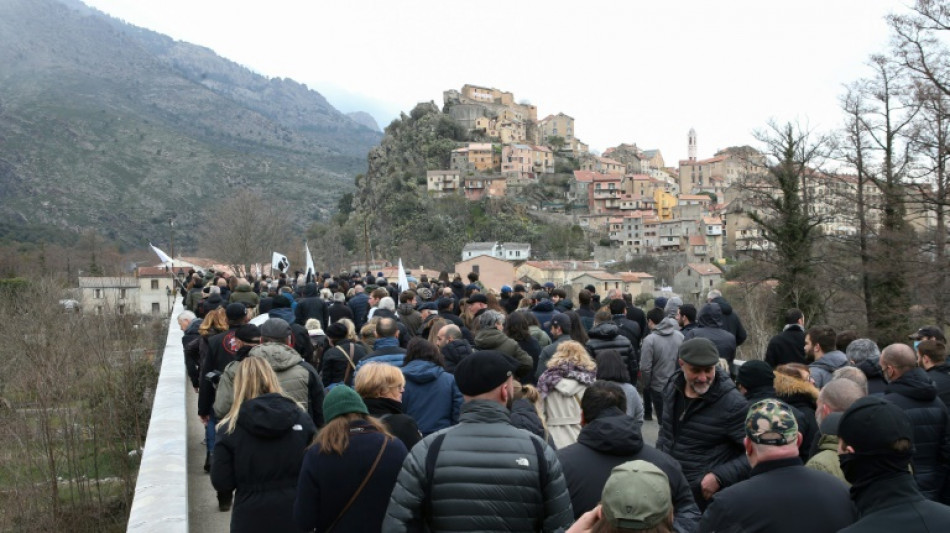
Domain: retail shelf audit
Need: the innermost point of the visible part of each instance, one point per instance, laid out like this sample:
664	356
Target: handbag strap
359	489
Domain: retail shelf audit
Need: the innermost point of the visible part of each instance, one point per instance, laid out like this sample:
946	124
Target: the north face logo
522	461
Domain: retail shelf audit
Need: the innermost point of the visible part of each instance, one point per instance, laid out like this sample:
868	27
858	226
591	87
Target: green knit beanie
342	400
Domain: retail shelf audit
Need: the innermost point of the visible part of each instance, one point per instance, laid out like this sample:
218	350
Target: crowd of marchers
342	403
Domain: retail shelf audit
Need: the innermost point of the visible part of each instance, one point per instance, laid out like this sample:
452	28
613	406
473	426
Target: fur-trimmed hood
787	386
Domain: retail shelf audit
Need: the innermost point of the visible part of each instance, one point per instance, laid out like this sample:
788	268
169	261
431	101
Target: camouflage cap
771	422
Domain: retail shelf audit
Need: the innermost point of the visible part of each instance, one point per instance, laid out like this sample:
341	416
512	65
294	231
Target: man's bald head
899	358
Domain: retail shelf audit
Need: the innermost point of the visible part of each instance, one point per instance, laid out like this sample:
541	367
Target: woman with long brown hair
350	470
259	449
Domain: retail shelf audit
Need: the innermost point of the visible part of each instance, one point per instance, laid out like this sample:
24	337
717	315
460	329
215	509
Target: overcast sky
627	71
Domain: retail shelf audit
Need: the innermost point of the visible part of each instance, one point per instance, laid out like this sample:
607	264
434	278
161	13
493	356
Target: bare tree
776	201
244	229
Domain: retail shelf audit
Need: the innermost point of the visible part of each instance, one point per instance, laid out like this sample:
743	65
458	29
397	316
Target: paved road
203	513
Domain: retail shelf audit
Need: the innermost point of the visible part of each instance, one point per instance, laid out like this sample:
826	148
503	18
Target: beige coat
562	411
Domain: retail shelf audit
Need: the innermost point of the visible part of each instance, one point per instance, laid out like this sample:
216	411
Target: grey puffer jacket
706	434
659	355
486	478
298	378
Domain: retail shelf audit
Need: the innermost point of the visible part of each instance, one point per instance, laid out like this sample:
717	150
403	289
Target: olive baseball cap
636	496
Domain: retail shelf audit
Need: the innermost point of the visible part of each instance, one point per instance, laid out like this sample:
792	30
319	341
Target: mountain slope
107	126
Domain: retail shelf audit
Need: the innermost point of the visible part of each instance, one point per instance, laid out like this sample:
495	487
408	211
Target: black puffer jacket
706	434
453	353
544	311
607	336
613	438
486	478
731	321
710	327
525	416
261	460
916	394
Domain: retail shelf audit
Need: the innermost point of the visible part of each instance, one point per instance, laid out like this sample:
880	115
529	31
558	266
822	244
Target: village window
121	309
122	294
97	293
156	308
154	284
98	309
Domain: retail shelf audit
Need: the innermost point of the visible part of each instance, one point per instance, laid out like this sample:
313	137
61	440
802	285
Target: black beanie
755	374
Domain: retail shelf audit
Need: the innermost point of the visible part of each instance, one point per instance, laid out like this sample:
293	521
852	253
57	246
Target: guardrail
161	491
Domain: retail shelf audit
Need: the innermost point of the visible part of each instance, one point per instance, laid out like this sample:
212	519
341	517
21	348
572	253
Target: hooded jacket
612	439
261	460
454	352
245	295
705	434
525	416
659	354
481	487
607	336
710	327
822	369
731	321
431	397
872	371
495	339
803	396
311	306
189	341
562	411
916	394
544	311
297	378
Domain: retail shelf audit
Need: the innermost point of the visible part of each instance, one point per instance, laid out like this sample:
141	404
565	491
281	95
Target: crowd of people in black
342	403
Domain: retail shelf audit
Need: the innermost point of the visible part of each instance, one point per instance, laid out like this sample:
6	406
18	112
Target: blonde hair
312	324
254	377
335	436
574	353
215	321
368	335
435	326
350	329
533	395
374	379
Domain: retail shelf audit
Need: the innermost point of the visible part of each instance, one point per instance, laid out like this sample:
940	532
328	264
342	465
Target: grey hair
489	318
861	350
387	303
715	293
187	315
852	374
839	394
214	289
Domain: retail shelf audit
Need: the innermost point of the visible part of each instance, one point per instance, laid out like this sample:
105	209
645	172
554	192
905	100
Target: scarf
552	376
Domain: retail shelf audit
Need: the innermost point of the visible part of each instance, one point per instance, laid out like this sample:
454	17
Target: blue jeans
210	431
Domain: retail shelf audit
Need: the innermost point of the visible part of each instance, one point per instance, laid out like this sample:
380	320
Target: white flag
279	262
161	255
259	276
310	269
403	280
